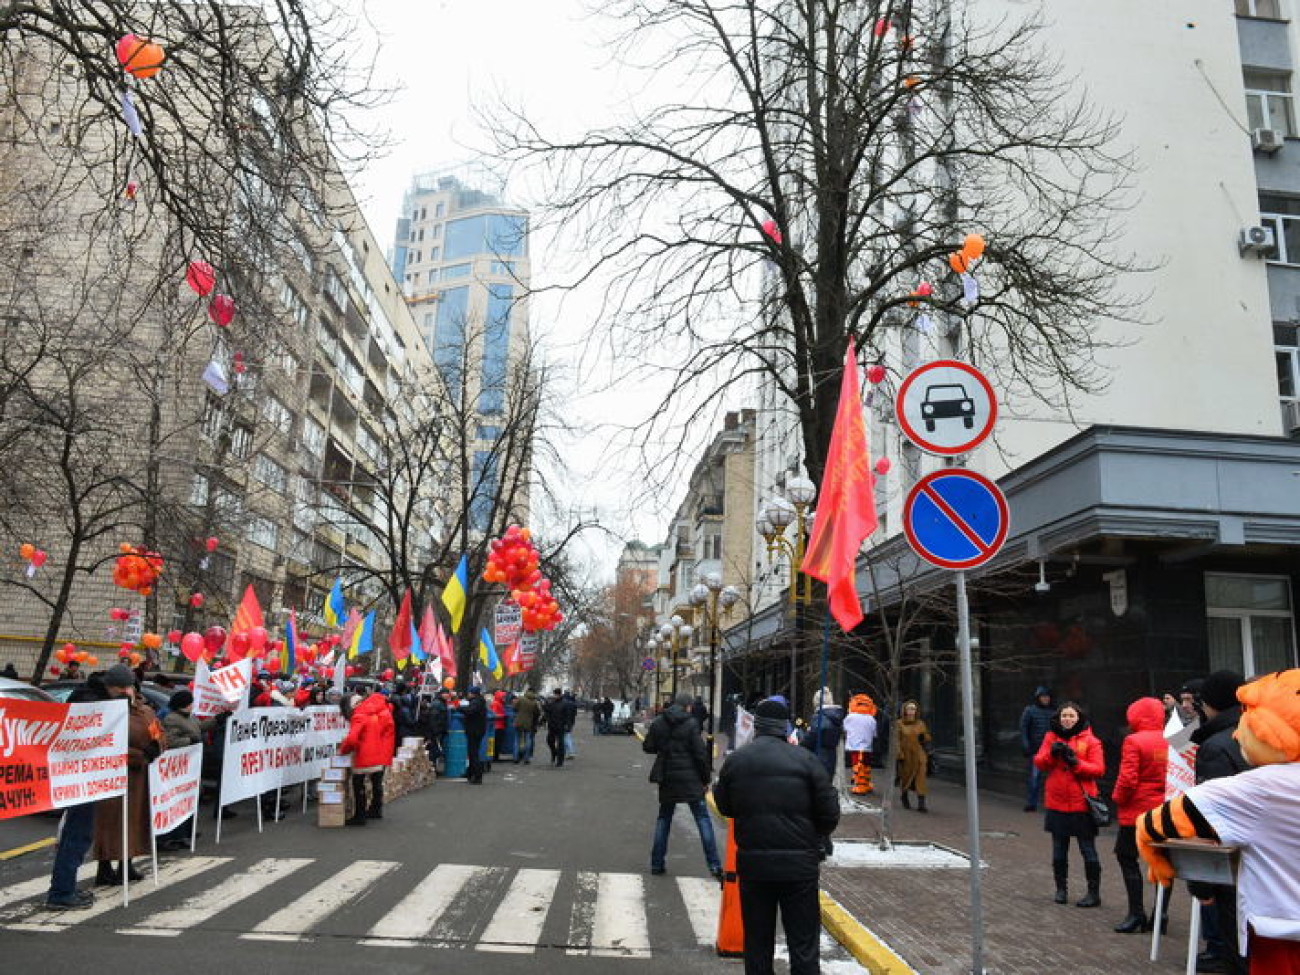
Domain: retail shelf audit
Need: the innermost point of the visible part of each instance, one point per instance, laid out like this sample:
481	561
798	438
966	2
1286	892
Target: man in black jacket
555	713
681	770
783	805
474	713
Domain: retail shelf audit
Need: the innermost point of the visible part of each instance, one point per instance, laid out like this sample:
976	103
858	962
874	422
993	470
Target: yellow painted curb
18	851
869	950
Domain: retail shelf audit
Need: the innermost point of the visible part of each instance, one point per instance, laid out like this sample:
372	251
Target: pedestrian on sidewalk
1139	786
825	731
784	808
915	747
681	769
370	740
554	712
528	714
474	714
1072	757
1035	721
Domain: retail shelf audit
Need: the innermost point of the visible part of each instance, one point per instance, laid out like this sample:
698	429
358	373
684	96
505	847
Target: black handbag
1097	807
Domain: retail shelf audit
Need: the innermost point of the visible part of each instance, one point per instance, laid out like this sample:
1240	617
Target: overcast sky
448	58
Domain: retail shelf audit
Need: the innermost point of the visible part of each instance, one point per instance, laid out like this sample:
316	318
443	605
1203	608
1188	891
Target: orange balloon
151	641
27	550
959	262
973	247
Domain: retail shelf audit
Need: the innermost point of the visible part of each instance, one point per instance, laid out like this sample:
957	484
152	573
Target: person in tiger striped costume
1258	811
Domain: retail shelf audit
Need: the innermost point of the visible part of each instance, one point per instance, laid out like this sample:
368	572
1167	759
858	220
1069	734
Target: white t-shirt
1259	811
859	732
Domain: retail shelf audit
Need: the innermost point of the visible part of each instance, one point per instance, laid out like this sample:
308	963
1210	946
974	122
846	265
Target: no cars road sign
956	519
946	407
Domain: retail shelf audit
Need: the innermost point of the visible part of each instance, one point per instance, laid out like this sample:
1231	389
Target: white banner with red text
221	690
269	748
174	787
57	755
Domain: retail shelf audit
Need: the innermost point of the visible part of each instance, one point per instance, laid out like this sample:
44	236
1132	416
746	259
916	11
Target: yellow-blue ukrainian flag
487	654
363	638
335	609
455	594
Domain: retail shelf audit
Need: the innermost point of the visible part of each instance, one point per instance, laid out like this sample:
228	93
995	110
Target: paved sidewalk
924	915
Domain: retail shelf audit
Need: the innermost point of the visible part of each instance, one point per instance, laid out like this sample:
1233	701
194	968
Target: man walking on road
555	712
474	713
784	805
681	770
528	713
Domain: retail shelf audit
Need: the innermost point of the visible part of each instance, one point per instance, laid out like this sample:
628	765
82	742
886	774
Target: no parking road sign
648	664
946	407
956	519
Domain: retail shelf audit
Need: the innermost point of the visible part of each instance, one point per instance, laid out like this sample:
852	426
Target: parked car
23	691
156	697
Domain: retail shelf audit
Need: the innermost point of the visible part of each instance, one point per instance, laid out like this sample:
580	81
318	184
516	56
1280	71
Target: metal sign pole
972	788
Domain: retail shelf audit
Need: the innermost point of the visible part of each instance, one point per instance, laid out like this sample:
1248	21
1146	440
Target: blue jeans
524	742
1033	785
569	750
665	823
75	837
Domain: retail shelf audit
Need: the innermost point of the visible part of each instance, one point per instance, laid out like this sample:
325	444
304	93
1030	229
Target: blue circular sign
648	664
956	519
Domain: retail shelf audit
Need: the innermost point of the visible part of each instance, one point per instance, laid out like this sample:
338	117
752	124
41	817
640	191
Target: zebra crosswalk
396	905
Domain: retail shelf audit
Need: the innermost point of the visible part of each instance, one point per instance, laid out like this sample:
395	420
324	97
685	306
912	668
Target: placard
174	779
221	690
57	755
269	748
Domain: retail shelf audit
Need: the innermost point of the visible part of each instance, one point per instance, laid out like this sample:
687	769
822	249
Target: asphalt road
537	870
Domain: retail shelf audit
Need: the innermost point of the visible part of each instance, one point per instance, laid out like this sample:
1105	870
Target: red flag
446	653
248	615
399	640
846	508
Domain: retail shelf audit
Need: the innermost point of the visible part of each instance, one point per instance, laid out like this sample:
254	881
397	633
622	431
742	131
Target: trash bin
456	761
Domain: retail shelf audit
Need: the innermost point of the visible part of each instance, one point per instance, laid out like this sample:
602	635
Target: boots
107	876
1133	924
376	810
1136	920
907	803
1092	870
920	803
1061	871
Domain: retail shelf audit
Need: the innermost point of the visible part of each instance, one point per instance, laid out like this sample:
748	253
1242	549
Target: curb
872	953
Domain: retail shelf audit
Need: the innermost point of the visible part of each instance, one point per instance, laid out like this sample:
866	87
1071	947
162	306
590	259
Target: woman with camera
1072	757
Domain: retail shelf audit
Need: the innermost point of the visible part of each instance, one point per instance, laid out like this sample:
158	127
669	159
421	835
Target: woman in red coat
371	738
1072	757
1140	786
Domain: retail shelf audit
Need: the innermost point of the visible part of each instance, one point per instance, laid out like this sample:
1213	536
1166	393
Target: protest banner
269	748
221	690
174	787
744	728
57	755
1180	773
527	651
509	623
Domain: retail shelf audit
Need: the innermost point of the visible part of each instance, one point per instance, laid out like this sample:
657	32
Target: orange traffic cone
731	928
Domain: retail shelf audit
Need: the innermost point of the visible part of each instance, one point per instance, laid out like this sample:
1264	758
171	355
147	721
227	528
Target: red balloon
239	644
214	638
349	671
875	374
201	277
196	600
192	646
222	310
883	465
173	636
212	543
39	557
387	674
257	638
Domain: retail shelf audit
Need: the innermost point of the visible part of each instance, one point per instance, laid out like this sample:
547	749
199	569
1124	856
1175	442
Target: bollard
731	928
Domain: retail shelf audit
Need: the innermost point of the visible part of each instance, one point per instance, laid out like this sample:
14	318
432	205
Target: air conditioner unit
1291	416
1258	241
1266	140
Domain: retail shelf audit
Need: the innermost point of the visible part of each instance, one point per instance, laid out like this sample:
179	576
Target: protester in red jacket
370	739
1072	757
1140	786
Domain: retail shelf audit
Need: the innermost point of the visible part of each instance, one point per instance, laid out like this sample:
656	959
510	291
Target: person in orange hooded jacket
1072	757
1140	785
371	737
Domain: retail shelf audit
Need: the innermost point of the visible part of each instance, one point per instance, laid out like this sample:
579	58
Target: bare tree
826	158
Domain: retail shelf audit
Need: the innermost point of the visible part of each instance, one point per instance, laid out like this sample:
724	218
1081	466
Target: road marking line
38	886
18	851
414	917
109	898
620	928
583	913
290	922
175	921
703	899
517	923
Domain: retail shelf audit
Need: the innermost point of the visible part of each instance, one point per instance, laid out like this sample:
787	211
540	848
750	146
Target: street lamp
775	517
652	648
674	634
708	596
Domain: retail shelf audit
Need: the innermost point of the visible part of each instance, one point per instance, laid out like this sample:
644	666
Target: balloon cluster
137	569
963	259
67	653
514	561
35	557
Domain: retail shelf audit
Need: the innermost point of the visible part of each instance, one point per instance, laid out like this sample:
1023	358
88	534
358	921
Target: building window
435	253
1286	352
1282	214
438	210
263	532
278	415
1268	9
214	417
270	473
496	345
199	491
313	437
1269	102
1249	621
241	441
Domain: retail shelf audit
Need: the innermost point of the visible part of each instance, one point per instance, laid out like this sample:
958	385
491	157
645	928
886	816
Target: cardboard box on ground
411	770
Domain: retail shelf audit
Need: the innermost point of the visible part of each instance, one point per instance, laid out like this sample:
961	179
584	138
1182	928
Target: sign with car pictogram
946	407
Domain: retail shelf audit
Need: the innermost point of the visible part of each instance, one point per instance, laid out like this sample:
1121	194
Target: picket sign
174	782
58	755
221	690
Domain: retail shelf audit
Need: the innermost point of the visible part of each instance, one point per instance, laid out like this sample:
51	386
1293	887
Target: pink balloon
883	465
875	374
192	646
201	277
257	638
222	310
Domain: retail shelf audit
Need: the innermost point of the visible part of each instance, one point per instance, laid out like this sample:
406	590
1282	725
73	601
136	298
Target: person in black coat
435	727
555	713
1035	722
1217	756
784	808
406	714
474	714
681	769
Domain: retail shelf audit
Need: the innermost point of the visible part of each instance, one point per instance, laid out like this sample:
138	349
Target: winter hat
180	700
1219	690
772	708
1042	690
683	700
119	675
476	690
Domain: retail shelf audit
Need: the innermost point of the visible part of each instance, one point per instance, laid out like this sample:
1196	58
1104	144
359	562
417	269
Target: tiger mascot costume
1257	810
859	740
